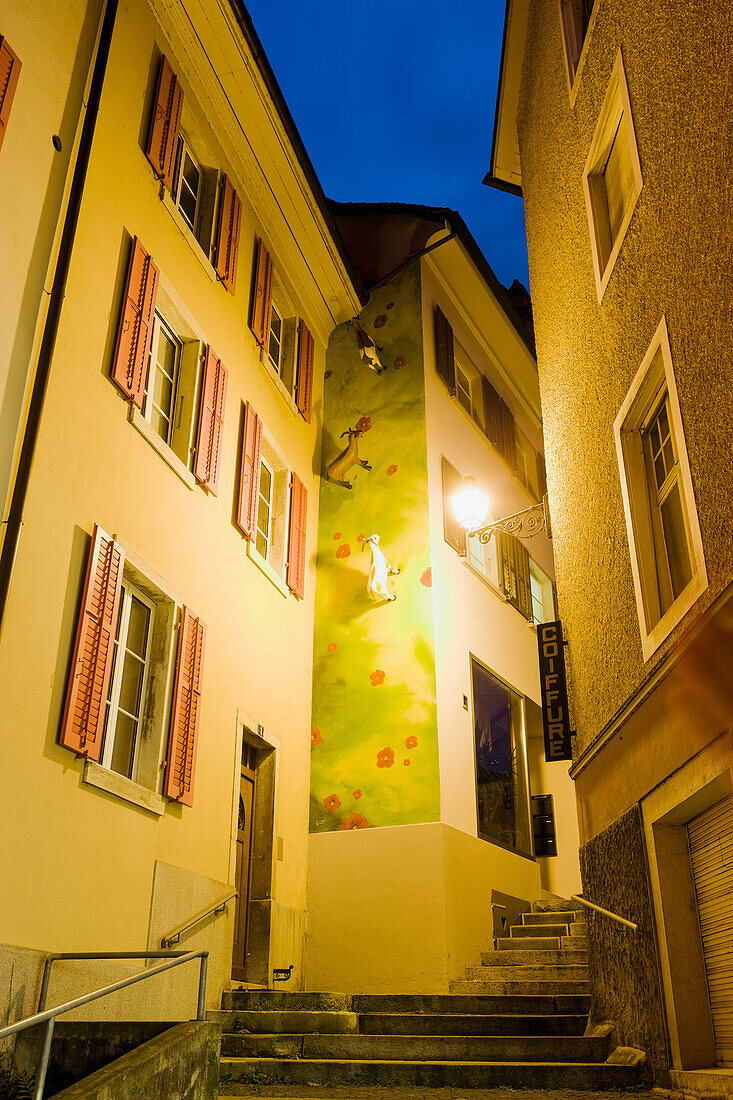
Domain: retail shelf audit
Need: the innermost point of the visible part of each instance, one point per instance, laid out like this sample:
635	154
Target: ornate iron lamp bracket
531	521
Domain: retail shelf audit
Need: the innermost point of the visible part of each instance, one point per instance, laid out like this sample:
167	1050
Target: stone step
530	943
542	1003
420	1048
529	957
532	987
433	1074
557	916
286	1022
398	1023
579	928
514	972
557	905
538	931
271	1001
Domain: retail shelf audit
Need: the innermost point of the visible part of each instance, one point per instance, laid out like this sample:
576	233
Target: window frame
573	70
615	119
161	323
184	149
655	374
269	501
274	564
464	366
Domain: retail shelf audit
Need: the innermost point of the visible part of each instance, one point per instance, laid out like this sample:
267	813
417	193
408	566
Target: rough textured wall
613	871
374	759
675	260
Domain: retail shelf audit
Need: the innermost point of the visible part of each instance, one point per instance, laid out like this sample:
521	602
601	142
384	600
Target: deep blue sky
394	100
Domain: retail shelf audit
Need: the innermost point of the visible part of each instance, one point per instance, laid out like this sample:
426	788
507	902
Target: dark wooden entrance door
243	860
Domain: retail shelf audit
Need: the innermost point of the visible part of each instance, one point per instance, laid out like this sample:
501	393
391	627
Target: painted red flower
363	424
354	821
385	758
343	551
361	538
389	305
410	742
400	361
332	647
380	321
391	470
377	677
357	793
315	737
332	802
337	536
406	763
427	578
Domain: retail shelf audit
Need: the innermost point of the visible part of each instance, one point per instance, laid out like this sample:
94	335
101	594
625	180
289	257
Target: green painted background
358	712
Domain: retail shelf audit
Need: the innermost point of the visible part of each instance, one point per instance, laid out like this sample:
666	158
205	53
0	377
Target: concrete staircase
519	1020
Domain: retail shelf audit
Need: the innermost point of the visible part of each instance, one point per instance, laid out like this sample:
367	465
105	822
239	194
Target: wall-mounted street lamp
471	506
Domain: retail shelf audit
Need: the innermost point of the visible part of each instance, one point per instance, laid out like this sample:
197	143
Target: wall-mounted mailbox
543	825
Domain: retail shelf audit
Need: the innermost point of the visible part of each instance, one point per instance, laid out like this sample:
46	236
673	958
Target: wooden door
243	860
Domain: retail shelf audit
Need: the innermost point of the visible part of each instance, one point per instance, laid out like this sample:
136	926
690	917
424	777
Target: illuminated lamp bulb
470	505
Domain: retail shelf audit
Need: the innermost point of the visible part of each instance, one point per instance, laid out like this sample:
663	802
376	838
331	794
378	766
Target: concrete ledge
183	1062
708	1084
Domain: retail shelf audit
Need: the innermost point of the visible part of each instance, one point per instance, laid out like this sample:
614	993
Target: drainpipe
14	521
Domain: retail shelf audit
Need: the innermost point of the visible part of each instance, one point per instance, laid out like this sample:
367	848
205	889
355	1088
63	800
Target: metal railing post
44	983
202	987
44	1059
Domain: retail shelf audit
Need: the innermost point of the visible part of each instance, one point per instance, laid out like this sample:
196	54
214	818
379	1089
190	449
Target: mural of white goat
342	463
378	583
368	350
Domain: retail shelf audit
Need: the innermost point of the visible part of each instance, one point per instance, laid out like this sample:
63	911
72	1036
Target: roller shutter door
711	854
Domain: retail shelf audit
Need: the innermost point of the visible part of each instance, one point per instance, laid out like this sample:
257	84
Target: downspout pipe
14	521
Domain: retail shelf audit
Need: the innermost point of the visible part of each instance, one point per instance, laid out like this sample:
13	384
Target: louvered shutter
262	298
211	422
227	238
249	475
86	693
514	573
296	542
508	435
541	475
164	123
492	413
10	68
304	376
455	535
185	710
130	363
444	355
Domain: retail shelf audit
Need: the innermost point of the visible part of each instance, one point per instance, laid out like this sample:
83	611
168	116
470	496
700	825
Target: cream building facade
612	124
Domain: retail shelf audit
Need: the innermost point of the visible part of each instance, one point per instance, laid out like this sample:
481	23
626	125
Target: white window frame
483	559
654	375
276	364
274	564
184	149
474	392
546	597
615	121
269	500
161	324
112	706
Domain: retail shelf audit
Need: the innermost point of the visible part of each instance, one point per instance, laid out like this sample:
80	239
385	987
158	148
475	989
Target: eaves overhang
505	172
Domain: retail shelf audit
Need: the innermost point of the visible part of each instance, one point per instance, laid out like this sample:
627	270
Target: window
575	22
468	389
162	379
263	538
130	668
482	557
659	506
612	177
187	185
275	340
502	792
10	68
543	603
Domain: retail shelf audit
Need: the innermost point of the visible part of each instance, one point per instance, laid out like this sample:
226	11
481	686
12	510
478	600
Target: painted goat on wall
368	350
378	582
349	457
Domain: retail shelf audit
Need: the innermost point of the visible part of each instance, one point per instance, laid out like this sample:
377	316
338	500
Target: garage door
711	853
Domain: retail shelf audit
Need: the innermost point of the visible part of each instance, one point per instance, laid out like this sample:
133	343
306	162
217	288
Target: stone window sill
97	776
169	457
185	231
264	566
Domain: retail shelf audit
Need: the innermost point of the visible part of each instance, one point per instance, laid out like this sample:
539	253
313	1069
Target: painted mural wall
374	755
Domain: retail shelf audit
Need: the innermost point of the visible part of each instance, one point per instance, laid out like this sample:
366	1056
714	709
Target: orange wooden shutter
296	542
227	238
304	377
86	693
249	475
10	68
444	355
211	422
130	362
262	300
181	758
164	123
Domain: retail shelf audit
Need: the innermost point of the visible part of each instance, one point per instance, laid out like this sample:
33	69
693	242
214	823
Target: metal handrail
175	958
605	912
215	907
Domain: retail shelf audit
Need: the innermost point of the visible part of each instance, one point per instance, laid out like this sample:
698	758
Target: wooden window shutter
304	376
86	694
296	542
10	68
444	355
129	366
211	422
185	710
227	237
541	475
262	300
514	572
455	535
508	435
492	413
164	123
249	474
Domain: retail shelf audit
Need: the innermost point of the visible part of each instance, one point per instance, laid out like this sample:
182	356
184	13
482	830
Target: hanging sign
553	687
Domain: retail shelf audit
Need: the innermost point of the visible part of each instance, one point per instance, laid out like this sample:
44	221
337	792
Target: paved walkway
290	1092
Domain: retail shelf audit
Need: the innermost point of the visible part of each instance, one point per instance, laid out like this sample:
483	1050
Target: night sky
395	103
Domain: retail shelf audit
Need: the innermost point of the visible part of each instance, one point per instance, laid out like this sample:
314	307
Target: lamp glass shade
471	506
